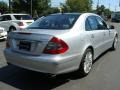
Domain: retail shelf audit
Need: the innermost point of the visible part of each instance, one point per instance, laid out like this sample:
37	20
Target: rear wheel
86	63
12	29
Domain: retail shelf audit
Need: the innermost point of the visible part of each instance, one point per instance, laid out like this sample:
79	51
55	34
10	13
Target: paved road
105	75
2	59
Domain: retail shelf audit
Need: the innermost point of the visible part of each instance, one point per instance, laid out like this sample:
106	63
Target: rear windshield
118	15
23	17
57	22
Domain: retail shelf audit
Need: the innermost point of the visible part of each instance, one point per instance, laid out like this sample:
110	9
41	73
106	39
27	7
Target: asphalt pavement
105	75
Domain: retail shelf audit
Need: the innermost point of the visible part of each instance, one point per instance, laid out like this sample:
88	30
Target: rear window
57	22
23	17
118	15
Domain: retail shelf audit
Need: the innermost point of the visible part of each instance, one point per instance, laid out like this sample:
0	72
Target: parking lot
104	75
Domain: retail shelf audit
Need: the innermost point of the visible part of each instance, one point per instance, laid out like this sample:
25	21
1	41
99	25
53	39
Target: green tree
102	10
38	6
77	6
3	7
107	11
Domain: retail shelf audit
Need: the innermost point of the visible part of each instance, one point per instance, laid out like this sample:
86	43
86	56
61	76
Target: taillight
56	46
21	24
8	43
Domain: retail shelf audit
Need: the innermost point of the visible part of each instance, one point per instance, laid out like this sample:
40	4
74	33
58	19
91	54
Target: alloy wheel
88	61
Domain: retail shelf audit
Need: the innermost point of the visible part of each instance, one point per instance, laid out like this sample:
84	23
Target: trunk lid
32	41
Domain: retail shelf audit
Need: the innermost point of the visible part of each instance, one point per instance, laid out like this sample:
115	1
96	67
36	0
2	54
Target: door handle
92	36
104	34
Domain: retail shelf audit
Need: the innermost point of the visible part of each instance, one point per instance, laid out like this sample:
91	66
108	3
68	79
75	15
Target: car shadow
103	54
30	80
2	40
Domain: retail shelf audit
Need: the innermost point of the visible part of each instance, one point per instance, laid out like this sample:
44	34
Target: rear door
95	34
5	21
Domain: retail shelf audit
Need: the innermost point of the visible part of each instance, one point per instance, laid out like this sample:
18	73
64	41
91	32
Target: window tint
93	22
1	18
23	17
59	21
6	18
87	25
101	24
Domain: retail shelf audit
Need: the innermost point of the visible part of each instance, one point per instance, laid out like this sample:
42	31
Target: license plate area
24	45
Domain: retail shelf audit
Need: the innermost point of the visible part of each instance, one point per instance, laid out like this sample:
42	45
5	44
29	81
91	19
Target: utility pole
98	7
10	6
109	6
109	9
98	3
31	7
115	8
119	3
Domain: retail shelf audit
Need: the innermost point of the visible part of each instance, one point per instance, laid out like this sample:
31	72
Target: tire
114	45
86	63
12	29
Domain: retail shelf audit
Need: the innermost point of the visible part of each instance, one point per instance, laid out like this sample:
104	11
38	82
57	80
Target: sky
112	4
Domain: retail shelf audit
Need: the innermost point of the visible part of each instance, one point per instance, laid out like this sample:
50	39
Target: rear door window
23	17
87	25
5	18
93	22
1	18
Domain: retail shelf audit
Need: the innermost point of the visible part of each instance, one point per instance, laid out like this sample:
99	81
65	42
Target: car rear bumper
44	64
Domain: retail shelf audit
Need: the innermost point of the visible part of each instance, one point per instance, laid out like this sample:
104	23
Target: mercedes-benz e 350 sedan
61	43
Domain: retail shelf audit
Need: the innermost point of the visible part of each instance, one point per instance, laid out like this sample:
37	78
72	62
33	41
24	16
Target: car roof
75	14
15	14
66	14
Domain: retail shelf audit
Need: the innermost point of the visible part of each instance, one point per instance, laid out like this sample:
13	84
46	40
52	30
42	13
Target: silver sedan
61	43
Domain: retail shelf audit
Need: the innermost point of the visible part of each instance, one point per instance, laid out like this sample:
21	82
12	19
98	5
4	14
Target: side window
6	18
87	25
9	17
101	24
93	23
1	18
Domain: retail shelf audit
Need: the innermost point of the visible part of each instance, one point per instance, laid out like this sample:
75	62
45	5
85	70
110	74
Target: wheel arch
89	47
81	62
116	35
11	27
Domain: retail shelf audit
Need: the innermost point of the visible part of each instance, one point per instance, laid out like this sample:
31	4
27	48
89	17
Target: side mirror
112	27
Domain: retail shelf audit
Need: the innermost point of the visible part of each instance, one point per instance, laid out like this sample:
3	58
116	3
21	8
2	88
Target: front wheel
114	45
86	63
